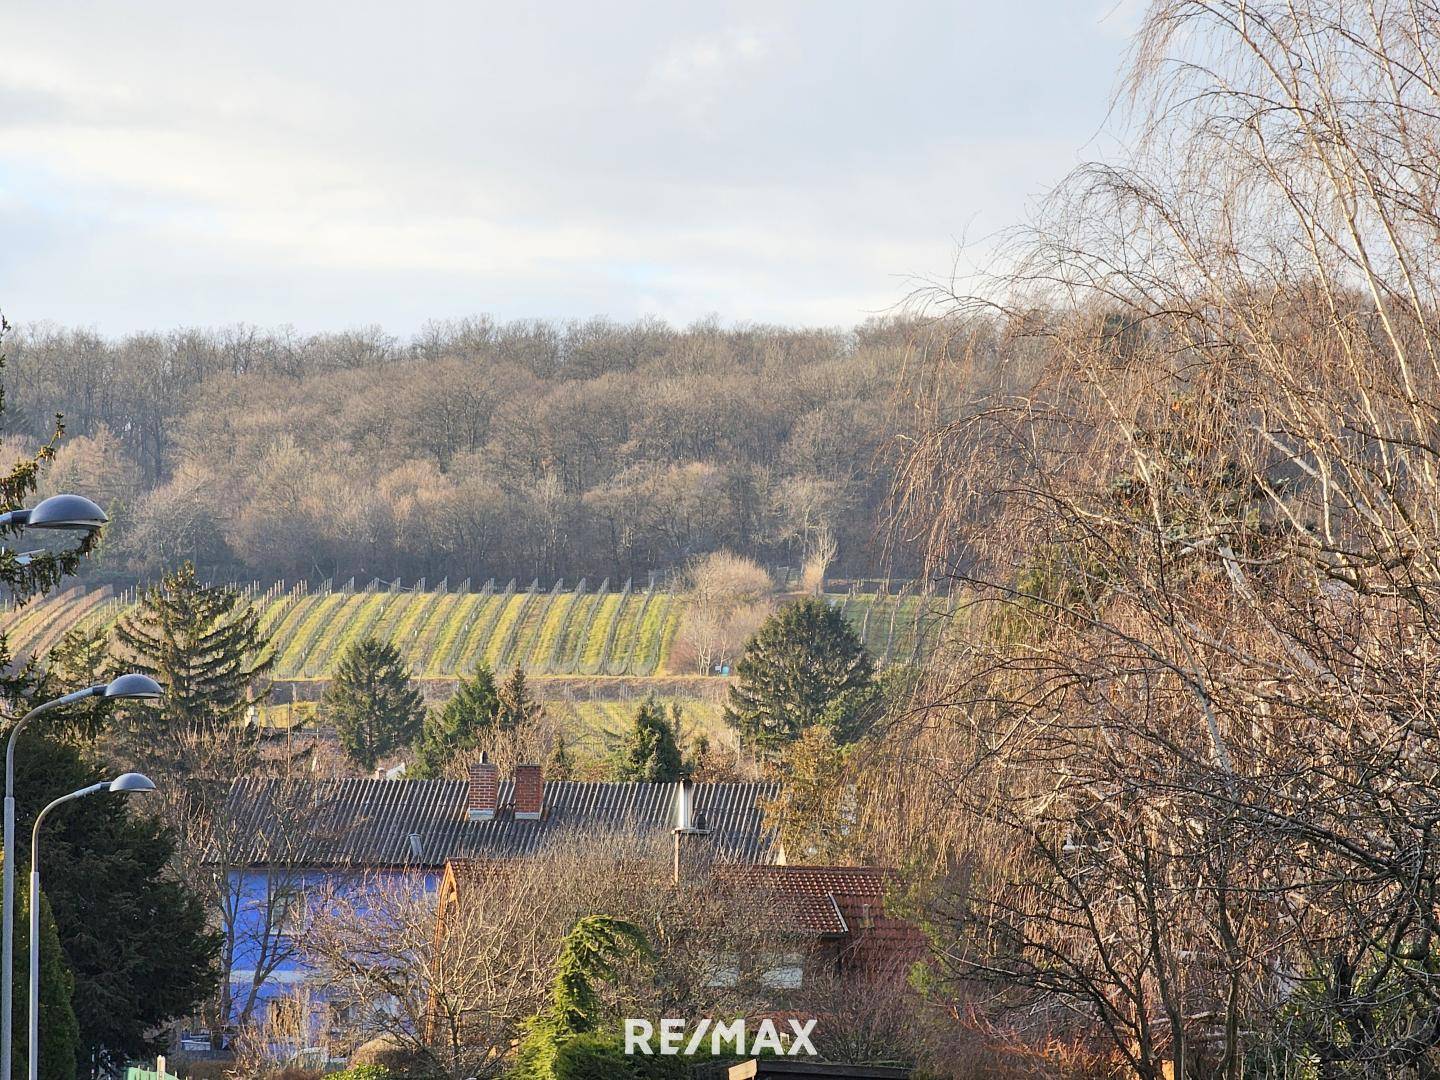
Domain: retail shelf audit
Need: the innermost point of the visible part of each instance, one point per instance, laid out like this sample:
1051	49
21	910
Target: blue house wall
250	892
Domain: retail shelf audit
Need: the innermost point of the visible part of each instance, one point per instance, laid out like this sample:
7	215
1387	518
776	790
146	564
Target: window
288	914
785	971
722	969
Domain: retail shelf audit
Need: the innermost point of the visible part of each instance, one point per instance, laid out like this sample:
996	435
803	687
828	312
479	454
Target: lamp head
66	512
132	782
133	685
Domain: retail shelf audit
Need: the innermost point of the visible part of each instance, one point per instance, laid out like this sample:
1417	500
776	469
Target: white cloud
162	163
693	76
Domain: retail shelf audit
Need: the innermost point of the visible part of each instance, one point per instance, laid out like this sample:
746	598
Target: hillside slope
599	632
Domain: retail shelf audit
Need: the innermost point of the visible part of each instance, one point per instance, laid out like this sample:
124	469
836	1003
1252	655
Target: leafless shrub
455	999
730	597
819	554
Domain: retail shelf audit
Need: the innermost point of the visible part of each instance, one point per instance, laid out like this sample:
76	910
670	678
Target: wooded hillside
476	449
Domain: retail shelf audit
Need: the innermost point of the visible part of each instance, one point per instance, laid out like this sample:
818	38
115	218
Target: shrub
730	598
601	1057
724	577
363	1072
388	1053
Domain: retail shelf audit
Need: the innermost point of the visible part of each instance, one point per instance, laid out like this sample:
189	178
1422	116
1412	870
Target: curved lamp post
72	512
126	686
125	783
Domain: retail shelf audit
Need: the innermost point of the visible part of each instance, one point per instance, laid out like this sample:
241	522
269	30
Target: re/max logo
734	1037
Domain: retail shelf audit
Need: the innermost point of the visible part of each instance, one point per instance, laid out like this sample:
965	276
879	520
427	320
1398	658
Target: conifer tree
372	703
650	750
460	725
203	644
106	878
37	572
517	708
561	765
594	950
59	1029
803	659
79	659
136	936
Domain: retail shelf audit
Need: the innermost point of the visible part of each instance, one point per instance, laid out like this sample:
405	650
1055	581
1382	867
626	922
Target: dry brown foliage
460	995
730	598
1176	777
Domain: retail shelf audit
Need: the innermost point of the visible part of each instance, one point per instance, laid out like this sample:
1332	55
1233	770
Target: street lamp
73	512
125	783
125	686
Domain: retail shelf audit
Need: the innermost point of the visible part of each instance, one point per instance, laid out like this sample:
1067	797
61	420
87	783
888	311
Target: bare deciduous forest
477	449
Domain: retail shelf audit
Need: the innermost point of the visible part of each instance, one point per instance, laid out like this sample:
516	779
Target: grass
574	646
457	623
597	634
596	725
551	634
591	726
295	655
324	645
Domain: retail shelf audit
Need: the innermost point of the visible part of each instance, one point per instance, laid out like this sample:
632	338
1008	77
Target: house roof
844	905
371	824
845	902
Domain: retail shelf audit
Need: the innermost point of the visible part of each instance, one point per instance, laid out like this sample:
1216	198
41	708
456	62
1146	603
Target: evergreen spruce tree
650	750
517	708
203	644
372	703
457	727
561	765
136	937
802	659
59	1030
79	659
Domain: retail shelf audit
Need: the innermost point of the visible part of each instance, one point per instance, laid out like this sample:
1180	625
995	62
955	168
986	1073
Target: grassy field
596	631
591	725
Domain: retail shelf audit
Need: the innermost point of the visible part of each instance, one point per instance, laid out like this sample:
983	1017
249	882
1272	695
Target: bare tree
454	998
730	598
245	846
819	554
1178	762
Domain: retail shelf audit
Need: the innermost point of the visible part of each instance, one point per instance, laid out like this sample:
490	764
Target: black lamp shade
132	782
133	686
66	512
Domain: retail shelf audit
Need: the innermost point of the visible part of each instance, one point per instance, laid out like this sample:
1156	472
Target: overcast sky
335	165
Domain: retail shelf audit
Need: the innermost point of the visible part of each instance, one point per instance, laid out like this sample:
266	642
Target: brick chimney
529	792
482	793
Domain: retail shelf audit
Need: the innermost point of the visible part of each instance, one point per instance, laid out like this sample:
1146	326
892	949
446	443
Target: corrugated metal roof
370	823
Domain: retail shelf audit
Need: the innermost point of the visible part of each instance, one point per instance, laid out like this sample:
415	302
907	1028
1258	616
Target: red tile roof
843	902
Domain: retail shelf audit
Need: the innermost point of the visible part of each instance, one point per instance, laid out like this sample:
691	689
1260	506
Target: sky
328	166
